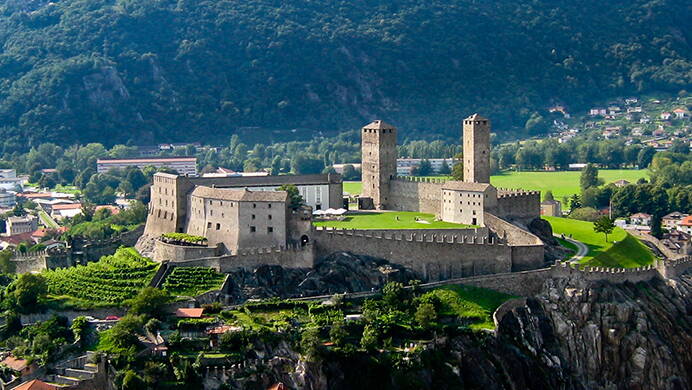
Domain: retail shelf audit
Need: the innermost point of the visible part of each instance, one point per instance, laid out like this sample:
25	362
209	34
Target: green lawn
387	220
47	220
573	248
562	183
628	252
473	304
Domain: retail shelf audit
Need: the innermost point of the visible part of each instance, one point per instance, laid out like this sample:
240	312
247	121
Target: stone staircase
72	372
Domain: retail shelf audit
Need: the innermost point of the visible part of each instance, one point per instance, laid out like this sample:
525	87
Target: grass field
628	252
387	220
563	183
573	248
473	304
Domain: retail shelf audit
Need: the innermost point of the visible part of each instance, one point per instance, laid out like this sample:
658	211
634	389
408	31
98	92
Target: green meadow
561	183
622	249
388	220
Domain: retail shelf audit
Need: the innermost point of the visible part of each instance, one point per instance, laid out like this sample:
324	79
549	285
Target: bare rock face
605	336
338	273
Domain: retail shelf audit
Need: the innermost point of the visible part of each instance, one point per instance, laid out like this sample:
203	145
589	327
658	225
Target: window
211	212
254	205
221	203
218	226
269	206
270	230
269	216
208	225
253	229
253	216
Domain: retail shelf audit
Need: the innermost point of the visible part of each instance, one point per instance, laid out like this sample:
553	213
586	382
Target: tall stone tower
378	147
476	149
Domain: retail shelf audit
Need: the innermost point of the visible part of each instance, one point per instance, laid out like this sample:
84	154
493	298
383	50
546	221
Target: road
582	249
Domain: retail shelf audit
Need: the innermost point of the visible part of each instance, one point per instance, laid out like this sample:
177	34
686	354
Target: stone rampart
415	194
288	257
40	260
431	256
164	251
518	205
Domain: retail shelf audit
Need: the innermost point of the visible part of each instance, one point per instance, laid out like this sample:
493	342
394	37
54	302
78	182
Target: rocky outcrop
573	335
553	249
338	273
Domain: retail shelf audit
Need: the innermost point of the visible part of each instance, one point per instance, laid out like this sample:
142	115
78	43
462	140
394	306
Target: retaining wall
290	257
164	251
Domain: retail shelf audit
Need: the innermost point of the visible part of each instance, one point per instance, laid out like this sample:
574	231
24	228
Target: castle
247	222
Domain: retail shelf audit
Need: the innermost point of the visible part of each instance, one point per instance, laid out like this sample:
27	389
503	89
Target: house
215	333
640	219
678	242
61	211
665	116
644	119
631	100
614	110
631	110
621	183
551	208
189	312
680	113
19	365
37	385
113	209
597	111
670	221
19	225
685	225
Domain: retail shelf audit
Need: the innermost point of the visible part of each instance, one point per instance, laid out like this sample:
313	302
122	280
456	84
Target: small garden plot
107	282
193	281
474	305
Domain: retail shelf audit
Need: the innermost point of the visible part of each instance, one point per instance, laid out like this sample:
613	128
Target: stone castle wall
164	251
431	256
528	251
416	194
518	205
288	257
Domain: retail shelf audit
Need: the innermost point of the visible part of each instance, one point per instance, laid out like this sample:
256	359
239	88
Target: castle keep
452	201
248	223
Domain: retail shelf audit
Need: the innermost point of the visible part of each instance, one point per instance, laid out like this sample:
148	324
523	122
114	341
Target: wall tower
476	149
379	154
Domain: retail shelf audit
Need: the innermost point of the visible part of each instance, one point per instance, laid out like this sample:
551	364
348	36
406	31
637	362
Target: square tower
476	149
378	147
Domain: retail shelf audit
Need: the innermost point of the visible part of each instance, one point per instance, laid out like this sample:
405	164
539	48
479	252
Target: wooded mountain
147	71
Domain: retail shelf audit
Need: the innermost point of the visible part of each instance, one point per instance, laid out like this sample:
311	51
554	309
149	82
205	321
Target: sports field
389	220
628	252
562	183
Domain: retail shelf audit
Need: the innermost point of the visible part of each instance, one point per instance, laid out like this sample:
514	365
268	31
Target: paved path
582	249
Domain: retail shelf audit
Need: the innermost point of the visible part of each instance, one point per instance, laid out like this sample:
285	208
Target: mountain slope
141	70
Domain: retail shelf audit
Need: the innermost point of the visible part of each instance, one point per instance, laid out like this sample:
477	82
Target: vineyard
192	281
107	282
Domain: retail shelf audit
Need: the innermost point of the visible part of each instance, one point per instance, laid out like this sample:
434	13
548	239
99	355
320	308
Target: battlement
515	192
473	239
292	256
664	269
416	179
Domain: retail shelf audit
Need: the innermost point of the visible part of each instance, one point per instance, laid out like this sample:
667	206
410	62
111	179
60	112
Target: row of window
253	229
462	202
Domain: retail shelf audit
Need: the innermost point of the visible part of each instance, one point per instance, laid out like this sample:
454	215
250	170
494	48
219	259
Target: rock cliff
573	335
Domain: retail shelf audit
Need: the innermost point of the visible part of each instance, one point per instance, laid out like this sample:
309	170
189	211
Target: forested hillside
145	71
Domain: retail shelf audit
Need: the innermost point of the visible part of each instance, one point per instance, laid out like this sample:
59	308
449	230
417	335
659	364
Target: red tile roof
69	206
14	363
36	195
687	221
114	209
147	160
189	313
36	385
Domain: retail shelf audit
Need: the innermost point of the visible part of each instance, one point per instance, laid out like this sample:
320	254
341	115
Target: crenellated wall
518	205
415	194
164	251
431	256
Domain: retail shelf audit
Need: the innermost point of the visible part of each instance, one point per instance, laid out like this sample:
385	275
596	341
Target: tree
80	328
604	225
310	343
394	294
536	124
371	337
445	169
338	332
28	290
132	381
6	266
548	196
294	197
574	202
425	168
589	177
150	301
458	168
304	165
645	156
425	314
584	214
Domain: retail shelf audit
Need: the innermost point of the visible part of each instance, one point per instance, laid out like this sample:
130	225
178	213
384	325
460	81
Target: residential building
182	165
598	111
435	163
551	208
665	116
19	225
10	181
680	113
685	224
23	367
670	221
465	203
339	168
642	219
7	199
621	183
69	210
